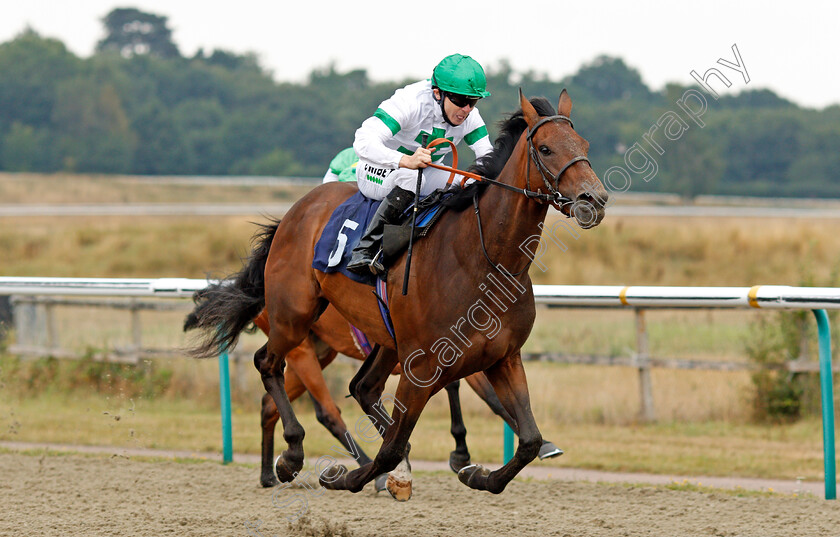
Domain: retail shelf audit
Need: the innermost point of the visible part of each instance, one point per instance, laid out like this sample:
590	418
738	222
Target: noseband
552	182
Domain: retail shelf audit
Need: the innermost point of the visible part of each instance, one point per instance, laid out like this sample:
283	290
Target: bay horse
536	146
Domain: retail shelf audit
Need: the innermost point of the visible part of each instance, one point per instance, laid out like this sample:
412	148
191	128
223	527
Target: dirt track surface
74	495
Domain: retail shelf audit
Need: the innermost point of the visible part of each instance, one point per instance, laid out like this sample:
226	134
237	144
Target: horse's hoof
333	477
268	481
399	489
282	470
474	476
379	482
548	451
458	461
399	481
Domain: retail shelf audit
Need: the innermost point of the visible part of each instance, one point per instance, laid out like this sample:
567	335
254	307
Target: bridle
552	182
556	198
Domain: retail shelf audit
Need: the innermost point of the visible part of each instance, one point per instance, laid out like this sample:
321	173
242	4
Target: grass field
590	411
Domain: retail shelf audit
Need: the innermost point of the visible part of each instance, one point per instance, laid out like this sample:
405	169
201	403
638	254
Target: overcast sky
789	47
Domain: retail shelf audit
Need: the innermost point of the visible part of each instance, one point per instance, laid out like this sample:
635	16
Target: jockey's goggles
462	100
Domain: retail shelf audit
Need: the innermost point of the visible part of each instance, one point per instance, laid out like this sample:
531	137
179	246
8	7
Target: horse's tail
224	309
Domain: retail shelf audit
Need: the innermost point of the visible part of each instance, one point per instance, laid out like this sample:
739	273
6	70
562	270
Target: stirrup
362	265
359	268
376	266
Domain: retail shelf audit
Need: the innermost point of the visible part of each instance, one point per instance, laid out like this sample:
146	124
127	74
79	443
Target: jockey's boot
367	255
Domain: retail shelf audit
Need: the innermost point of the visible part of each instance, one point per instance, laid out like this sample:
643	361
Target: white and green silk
396	129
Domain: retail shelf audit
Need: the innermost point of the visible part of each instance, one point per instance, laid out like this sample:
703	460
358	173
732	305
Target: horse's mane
510	129
490	166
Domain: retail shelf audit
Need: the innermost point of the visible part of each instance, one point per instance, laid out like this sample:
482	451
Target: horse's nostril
598	200
585	213
604	197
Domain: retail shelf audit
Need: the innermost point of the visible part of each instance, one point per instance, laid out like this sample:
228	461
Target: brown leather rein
554	197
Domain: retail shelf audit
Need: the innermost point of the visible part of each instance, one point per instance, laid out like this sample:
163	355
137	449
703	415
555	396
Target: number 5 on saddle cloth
349	222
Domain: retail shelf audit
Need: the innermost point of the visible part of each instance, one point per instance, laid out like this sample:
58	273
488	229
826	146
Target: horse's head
557	159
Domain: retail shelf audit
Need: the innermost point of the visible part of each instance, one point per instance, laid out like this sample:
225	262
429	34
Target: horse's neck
511	221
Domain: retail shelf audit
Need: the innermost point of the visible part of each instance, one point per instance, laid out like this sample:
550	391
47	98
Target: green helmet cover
462	75
344	165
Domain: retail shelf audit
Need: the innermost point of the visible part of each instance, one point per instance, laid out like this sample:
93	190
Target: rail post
508	450
224	395
647	413
827	392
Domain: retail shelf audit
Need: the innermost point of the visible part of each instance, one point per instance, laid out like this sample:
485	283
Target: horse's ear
565	106
528	111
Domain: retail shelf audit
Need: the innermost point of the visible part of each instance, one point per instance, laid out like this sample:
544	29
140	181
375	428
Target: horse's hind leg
269	361
508	379
268	422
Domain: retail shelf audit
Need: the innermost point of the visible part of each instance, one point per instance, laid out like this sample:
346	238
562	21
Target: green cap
344	165
462	75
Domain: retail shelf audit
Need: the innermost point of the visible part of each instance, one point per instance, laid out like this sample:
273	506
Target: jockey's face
456	114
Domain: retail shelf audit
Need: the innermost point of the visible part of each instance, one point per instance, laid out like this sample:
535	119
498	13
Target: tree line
138	106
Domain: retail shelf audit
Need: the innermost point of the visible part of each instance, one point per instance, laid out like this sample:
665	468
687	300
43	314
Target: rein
453	171
554	197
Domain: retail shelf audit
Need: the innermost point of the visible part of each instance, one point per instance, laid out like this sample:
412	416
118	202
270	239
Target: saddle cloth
348	223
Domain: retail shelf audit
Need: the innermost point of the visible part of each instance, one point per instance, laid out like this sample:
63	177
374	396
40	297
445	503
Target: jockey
342	167
390	151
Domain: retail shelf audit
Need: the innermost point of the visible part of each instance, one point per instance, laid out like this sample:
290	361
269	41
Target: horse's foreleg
335	425
482	387
508	379
461	456
367	387
409	402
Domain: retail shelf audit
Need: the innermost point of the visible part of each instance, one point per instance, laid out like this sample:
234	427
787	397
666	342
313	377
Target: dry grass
62	188
123	247
696	252
629	251
571	394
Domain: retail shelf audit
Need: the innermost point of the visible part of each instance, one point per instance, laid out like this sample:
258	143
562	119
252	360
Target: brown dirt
77	495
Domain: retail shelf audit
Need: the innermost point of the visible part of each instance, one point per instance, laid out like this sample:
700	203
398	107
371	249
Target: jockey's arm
482	147
369	144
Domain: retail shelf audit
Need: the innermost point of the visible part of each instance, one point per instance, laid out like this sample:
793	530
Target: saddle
395	237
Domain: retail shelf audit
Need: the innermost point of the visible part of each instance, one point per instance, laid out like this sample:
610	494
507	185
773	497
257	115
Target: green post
224	394
827	391
508	453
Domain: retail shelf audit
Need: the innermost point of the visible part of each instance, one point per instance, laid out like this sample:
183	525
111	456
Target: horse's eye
545	151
